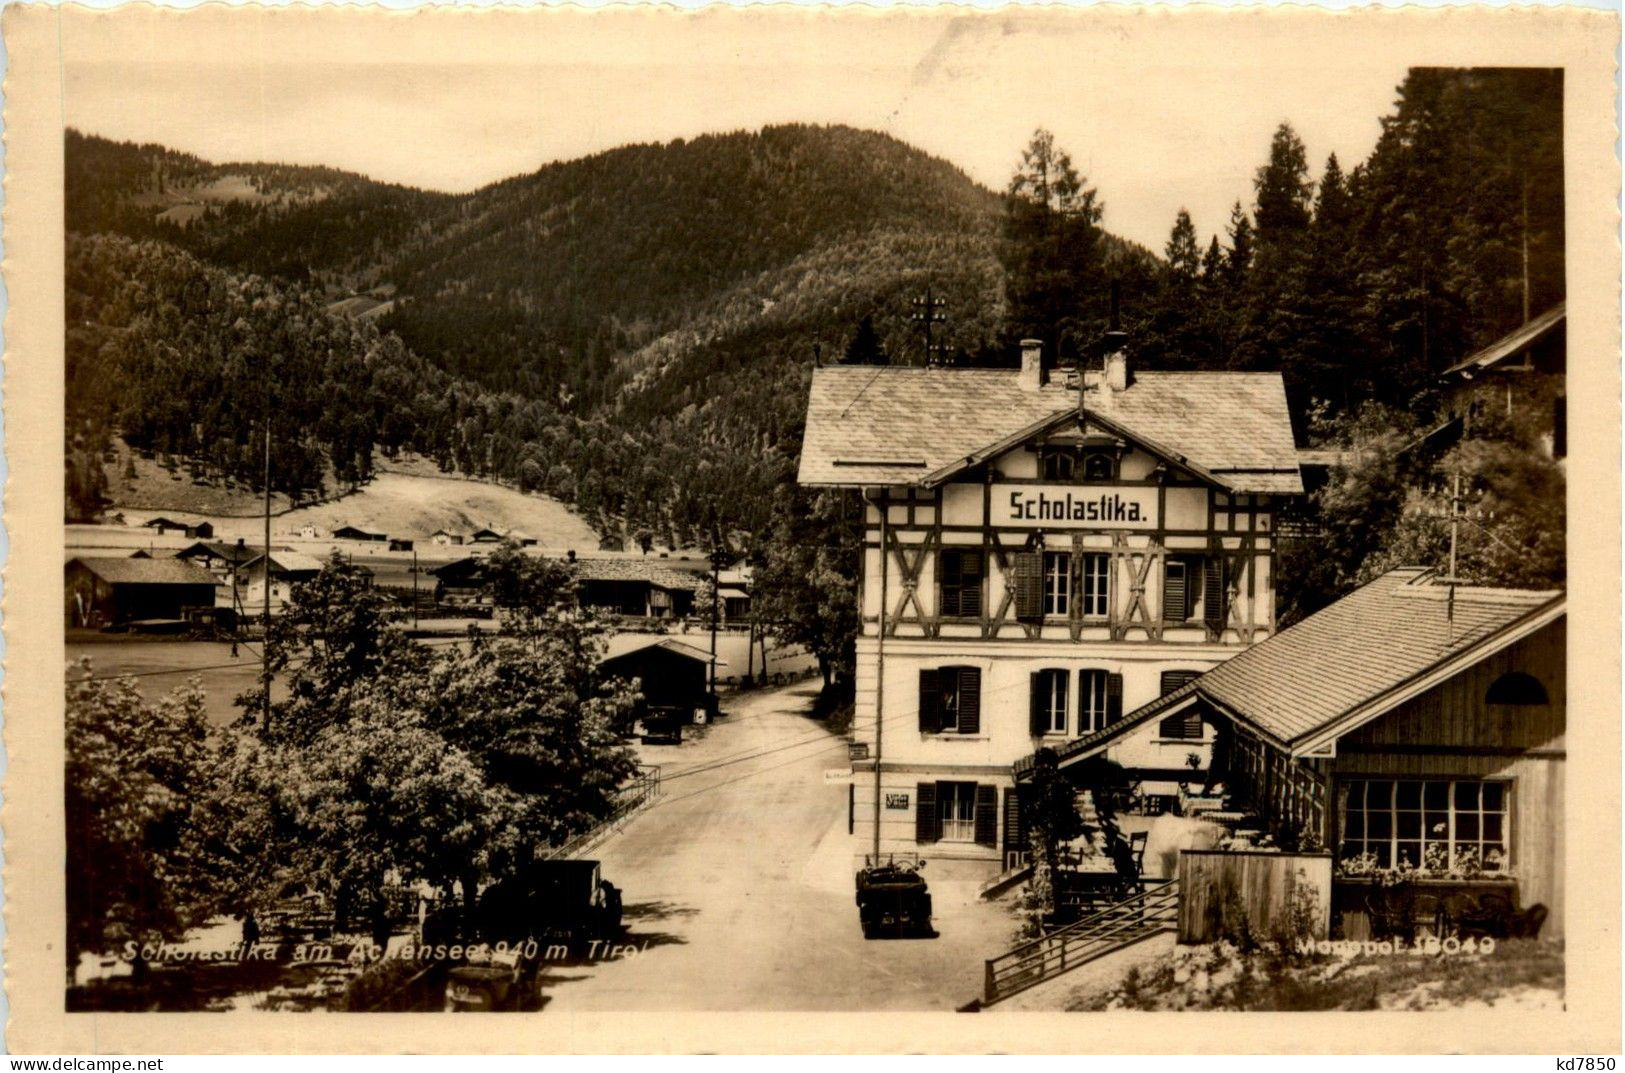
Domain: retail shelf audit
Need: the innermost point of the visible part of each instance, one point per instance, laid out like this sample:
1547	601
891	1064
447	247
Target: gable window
1427	823
1099	466
1188	725
1057	582
1058	465
959	582
951	700
1047	711
1516	688
1100	700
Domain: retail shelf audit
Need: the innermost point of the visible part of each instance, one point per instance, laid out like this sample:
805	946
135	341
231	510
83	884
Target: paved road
738	888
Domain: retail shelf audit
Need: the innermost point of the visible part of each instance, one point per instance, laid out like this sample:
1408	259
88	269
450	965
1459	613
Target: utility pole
928	311
414	584
880	674
718	557
265	640
1455	524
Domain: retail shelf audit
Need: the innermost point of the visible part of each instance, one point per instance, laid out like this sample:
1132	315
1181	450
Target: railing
1139	916
632	798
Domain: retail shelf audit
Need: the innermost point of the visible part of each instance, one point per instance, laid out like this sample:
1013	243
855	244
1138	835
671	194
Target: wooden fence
1222	893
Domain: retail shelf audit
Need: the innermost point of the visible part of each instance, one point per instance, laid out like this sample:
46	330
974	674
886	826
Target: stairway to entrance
1149	912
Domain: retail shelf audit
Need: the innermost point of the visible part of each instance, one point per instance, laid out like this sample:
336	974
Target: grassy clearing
1518	973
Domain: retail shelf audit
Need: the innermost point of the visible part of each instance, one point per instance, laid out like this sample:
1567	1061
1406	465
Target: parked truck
552	907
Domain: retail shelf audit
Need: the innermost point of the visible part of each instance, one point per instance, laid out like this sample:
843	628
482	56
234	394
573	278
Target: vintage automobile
894	902
551	908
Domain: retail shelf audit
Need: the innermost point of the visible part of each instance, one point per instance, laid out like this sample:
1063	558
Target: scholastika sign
1074	506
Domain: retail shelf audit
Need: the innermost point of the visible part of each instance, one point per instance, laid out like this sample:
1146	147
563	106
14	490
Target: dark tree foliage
865	347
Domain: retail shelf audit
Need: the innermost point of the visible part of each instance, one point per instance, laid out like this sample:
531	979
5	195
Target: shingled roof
122	571
871	426
1344	661
636	570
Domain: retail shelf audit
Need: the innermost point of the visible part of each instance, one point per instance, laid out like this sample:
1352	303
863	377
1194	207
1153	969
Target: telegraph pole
718	557
928	311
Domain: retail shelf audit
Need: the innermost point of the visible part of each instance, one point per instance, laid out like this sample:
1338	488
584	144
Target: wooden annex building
1412	725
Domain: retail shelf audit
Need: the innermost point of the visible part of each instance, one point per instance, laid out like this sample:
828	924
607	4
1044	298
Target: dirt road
739	893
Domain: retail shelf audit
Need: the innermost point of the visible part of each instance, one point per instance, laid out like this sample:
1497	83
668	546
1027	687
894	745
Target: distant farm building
400	544
445	538
485	536
116	592
200	530
733	594
353	532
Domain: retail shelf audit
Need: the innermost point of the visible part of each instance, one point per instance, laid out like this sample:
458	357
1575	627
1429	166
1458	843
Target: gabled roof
1363	655
1168	704
1514	342
870	426
288	562
126	571
627	643
219	549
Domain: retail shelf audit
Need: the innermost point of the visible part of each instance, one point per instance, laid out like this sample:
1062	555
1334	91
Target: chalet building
445	538
223	561
105	592
1040	557
287	569
1411	720
462	583
485	536
636	587
1520	376
733	594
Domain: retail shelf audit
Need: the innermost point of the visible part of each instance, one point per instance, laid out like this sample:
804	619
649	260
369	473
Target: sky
1159	111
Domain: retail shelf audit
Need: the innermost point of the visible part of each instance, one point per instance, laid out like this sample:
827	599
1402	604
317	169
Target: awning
1159	788
733	594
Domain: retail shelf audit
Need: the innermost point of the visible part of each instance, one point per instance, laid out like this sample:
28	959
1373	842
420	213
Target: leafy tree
1049	814
806	583
139	867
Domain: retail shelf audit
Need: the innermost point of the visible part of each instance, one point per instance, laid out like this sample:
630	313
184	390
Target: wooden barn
671	675
119	591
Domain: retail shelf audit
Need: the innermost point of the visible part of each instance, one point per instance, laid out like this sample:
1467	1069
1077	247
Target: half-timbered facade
1040	557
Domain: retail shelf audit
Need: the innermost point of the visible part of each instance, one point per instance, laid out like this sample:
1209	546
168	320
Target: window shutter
970	592
1187	726
930	694
1114	698
1037	702
970	700
1213	592
1174	607
1015	834
1027	581
1172	680
925	812
987	815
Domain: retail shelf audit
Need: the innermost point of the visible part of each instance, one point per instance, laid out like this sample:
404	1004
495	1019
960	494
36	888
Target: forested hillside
633	331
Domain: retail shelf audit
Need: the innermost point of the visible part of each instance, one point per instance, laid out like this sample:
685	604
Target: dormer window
1099	466
1059	465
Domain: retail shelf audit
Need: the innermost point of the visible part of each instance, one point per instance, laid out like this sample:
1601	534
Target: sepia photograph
630	513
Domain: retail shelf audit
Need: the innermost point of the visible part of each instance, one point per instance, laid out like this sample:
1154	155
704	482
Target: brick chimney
1032	365
1115	345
